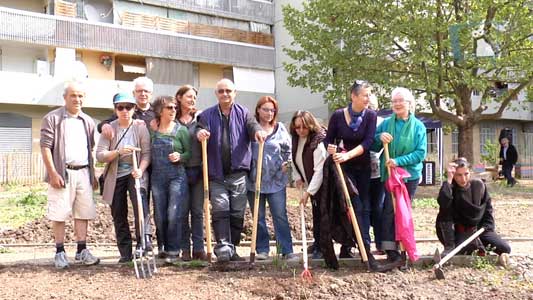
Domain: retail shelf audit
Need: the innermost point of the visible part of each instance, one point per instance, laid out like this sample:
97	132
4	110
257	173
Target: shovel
256	200
437	268
207	213
143	260
306	274
355	225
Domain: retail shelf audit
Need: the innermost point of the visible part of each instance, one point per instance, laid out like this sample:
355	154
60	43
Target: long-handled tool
256	200
437	268
207	212
393	199
142	258
306	274
355	225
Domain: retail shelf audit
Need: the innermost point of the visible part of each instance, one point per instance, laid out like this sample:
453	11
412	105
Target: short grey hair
143	80
71	83
404	93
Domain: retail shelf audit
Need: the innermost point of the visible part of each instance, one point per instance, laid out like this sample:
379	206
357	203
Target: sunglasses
171	107
222	91
127	107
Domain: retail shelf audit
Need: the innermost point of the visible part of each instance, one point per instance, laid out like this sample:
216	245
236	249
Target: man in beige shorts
67	141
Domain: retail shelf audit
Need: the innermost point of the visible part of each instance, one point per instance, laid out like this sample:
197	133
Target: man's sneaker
171	258
261	256
60	260
86	258
125	259
236	257
291	257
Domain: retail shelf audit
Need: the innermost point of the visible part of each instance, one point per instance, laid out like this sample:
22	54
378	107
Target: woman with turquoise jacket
406	137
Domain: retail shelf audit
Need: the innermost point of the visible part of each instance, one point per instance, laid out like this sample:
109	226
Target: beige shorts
75	199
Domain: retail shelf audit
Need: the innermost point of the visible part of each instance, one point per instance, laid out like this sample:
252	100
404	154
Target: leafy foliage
443	50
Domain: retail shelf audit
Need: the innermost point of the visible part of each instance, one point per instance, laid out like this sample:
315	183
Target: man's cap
123	98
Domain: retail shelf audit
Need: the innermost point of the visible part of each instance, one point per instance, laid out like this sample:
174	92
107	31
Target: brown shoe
186	255
200	255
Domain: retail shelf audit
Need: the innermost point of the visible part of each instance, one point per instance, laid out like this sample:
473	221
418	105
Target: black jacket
512	156
334	221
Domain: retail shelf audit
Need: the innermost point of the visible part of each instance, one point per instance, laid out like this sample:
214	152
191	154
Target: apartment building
111	42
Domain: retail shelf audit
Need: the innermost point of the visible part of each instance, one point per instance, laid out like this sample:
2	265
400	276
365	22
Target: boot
237	225
186	255
224	250
373	265
346	252
200	255
448	236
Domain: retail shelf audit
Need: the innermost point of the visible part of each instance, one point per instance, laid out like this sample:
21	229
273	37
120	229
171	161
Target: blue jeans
278	208
361	202
388	227
170	192
377	198
195	208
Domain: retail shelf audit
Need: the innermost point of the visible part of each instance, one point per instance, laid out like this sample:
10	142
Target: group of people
165	135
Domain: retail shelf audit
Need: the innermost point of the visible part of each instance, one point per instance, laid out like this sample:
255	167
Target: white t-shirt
76	148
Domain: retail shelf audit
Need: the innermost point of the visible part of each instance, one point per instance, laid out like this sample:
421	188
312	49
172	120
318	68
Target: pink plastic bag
403	219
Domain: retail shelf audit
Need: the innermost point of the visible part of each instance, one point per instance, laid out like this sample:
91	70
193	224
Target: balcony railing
27	27
261	11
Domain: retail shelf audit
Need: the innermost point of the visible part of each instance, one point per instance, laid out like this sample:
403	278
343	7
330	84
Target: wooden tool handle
207	213
355	224
256	200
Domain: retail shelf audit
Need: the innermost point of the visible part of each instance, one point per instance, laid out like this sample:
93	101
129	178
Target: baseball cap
123	98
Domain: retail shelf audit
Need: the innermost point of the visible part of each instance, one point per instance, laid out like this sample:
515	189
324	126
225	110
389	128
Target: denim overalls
170	191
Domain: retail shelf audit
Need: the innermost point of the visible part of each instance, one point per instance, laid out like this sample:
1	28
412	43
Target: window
486	134
455	142
431	141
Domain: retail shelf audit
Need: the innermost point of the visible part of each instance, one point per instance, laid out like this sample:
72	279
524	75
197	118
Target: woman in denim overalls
170	151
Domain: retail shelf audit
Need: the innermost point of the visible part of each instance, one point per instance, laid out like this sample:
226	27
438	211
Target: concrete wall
17	57
27	5
95	69
291	98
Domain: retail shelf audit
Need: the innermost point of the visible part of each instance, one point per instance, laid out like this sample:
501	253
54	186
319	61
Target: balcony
261	11
33	28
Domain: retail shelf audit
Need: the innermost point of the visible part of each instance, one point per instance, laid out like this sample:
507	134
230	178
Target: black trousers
490	240
119	211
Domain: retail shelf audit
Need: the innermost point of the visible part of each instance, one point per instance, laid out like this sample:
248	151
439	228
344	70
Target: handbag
101	178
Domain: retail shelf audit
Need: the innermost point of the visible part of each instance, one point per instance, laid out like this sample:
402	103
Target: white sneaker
86	258
60	260
261	256
504	260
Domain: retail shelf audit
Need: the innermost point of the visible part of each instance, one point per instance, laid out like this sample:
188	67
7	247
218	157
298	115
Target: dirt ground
24	279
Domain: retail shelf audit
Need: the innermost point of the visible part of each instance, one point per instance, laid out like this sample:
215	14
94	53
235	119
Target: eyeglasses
222	91
142	91
268	110
171	107
127	107
394	101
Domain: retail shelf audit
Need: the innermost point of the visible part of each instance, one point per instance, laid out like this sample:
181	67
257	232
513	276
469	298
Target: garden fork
143	259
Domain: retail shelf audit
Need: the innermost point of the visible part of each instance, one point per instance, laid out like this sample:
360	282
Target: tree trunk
466	142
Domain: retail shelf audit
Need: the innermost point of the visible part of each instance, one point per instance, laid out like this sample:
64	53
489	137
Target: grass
25	206
425	203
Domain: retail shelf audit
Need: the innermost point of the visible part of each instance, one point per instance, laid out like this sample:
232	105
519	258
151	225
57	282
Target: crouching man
464	207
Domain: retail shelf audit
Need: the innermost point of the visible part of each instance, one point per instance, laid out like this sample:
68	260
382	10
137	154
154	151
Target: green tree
436	48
